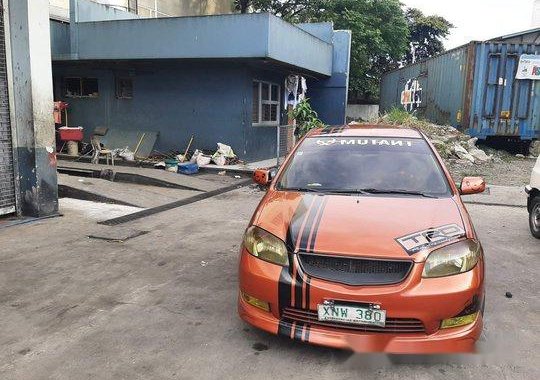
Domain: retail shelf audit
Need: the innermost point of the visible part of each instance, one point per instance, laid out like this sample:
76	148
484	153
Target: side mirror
264	177
472	185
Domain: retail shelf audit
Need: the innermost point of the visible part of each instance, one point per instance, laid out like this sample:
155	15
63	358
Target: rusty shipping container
472	87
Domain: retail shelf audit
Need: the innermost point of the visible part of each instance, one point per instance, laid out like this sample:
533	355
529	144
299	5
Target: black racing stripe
285	277
298	285
284	289
298	331
289	243
316	225
284	327
297	220
306	335
308	285
310	222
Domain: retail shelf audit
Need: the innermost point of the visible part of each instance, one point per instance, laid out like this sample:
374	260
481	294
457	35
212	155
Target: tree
379	40
383	34
379	34
426	34
242	5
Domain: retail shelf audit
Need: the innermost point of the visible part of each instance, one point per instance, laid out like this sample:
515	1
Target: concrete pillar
28	54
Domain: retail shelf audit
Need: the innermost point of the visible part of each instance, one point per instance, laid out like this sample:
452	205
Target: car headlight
265	246
453	259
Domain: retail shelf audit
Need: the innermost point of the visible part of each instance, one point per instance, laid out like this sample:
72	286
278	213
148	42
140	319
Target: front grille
393	325
355	271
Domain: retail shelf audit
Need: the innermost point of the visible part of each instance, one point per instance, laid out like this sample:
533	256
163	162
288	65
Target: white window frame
260	122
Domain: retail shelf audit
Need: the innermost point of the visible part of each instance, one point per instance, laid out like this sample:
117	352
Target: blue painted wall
210	100
234	36
329	96
322	30
60	41
194	75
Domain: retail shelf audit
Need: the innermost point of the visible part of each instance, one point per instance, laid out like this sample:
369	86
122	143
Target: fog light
256	302
458	321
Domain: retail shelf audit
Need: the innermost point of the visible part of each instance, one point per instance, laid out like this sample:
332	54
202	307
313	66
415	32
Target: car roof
366	130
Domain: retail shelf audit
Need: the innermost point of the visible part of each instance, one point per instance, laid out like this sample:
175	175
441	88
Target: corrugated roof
516	34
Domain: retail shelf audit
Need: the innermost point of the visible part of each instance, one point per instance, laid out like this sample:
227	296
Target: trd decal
430	237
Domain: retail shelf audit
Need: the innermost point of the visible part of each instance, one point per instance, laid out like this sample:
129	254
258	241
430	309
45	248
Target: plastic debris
188	168
200	158
462	153
126	154
223	153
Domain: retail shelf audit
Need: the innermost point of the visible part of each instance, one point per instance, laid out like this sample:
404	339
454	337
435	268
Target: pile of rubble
450	142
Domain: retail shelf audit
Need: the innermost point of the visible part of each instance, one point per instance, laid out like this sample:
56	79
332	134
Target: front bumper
427	300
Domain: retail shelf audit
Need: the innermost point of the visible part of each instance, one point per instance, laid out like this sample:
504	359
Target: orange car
362	242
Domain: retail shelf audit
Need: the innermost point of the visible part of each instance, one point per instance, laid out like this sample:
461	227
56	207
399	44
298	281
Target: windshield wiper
356	191
304	189
325	190
344	191
398	191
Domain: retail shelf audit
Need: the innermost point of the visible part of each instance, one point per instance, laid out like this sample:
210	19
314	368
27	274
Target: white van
533	202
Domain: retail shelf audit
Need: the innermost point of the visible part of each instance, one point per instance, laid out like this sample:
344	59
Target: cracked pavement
163	305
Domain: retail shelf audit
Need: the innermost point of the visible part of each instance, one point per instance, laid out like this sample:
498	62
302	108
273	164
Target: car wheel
534	217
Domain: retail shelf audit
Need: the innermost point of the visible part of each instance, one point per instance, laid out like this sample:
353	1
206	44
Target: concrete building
153	8
536	14
219	78
28	184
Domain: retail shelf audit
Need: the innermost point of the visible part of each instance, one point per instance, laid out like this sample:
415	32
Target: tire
534	217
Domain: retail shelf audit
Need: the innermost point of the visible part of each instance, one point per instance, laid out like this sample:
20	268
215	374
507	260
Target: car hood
360	225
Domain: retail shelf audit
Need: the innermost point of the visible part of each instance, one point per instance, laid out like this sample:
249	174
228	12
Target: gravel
463	157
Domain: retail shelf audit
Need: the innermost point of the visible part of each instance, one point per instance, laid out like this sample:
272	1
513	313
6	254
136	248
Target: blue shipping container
502	105
472	87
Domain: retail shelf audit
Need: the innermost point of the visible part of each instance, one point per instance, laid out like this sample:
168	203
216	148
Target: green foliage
397	115
242	5
426	34
382	33
379	33
379	40
306	118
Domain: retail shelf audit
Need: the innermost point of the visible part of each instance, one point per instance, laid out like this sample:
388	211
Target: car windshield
365	165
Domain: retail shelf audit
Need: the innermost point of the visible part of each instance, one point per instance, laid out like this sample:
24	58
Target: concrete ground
159	302
136	187
133	194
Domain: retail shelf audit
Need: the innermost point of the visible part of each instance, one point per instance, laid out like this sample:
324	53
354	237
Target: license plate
352	314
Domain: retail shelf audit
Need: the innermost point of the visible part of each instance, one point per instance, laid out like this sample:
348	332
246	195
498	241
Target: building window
266	105
124	88
132	6
81	87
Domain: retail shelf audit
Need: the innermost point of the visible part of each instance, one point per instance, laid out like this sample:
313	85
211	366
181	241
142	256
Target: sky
478	19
